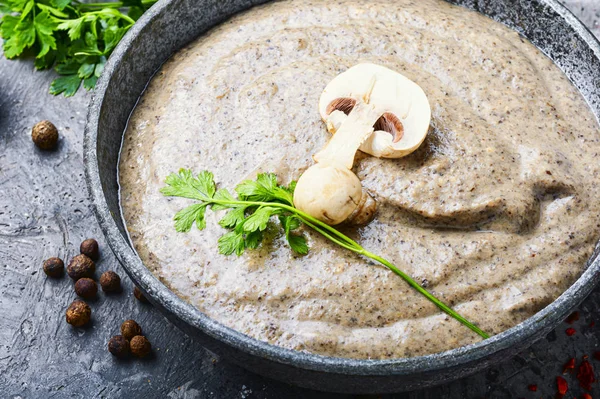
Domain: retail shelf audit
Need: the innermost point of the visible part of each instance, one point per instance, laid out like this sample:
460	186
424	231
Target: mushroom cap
328	192
392	93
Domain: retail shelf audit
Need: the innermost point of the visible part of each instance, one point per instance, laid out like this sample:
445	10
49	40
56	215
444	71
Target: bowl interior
168	26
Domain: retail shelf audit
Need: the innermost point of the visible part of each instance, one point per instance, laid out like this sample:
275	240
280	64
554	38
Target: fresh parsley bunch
73	37
257	203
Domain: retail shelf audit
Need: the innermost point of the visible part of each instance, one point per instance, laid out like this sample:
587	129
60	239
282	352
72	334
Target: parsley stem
326	235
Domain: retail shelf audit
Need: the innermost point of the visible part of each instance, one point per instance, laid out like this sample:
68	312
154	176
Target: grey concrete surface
44	212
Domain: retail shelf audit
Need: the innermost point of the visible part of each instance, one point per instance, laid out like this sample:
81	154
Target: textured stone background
44	212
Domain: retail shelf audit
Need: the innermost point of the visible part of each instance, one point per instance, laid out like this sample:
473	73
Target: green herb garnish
257	202
73	37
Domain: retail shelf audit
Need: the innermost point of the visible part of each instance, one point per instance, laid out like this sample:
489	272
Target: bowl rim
548	317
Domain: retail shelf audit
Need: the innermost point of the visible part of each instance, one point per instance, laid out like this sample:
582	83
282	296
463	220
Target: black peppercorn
137	293
130	329
110	281
81	266
45	135
89	248
78	313
118	346
54	267
140	346
86	288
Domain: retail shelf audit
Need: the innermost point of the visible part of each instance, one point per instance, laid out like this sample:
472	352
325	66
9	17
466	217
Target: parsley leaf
259	219
185	218
264	188
184	184
86	70
253	240
44	26
90	83
232	218
232	242
67	84
20	34
297	242
74	27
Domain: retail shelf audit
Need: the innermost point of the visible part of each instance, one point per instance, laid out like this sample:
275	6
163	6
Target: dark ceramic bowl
168	26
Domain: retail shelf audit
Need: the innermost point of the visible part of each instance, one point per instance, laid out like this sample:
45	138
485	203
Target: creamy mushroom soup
496	213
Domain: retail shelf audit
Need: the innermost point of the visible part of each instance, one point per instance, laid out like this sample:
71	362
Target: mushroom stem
355	129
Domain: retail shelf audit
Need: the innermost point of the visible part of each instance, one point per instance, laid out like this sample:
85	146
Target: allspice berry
89	248
81	266
54	267
45	135
137	293
78	313
140	346
86	288
110	281
118	346
130	329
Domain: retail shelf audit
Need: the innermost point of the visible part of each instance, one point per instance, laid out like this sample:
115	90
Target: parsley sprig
73	37
257	203
248	216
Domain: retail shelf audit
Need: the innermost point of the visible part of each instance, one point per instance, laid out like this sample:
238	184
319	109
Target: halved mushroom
405	111
368	107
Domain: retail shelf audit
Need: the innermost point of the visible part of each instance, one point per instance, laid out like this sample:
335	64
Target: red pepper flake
585	375
592	324
573	317
562	385
597	355
570	331
586	396
532	387
570	365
